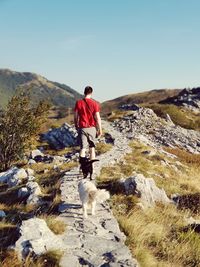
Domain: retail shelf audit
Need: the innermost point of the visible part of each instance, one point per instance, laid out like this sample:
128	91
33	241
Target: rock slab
37	238
146	189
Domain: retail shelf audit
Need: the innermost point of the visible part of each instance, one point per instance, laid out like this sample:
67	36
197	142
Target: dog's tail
102	195
92	195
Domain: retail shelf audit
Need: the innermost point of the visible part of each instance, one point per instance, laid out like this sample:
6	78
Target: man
87	121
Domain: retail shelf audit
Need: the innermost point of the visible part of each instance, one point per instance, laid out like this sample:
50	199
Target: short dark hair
88	90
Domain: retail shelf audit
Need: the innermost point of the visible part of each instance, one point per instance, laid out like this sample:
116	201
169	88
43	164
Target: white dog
89	195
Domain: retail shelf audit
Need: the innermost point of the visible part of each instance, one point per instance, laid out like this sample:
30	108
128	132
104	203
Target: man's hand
99	133
76	119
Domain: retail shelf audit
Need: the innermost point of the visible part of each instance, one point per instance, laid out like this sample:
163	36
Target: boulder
131	106
33	187
5	176
149	152
31	161
21	173
30	172
36	153
23	192
58	160
44	158
37	238
2	214
62	137
31	178
192	225
13	176
34	192
145	189
33	199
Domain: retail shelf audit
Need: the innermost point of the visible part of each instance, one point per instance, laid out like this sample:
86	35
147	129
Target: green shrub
19	123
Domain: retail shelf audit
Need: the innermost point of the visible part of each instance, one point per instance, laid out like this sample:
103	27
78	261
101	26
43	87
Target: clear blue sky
116	46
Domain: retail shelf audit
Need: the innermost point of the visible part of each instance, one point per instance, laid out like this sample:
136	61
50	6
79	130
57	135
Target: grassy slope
158	237
152	96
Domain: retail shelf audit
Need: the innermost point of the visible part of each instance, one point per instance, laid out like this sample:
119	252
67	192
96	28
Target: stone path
96	241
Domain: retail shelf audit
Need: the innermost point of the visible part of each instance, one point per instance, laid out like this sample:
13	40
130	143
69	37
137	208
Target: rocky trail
97	240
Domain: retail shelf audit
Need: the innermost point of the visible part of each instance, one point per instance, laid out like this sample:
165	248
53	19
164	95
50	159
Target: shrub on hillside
18	124
62	112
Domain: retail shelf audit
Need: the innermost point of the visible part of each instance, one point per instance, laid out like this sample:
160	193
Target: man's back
86	112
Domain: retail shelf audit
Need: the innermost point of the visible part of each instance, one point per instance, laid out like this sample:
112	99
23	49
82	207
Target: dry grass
49	150
185	156
152	96
54	223
172	174
8	196
117	114
54	120
157	237
5	225
49	259
102	148
8	233
9	258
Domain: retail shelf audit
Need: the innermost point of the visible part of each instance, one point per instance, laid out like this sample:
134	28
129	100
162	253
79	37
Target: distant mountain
148	97
40	88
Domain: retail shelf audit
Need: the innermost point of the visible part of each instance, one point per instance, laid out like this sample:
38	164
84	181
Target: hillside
40	88
189	98
150	166
153	96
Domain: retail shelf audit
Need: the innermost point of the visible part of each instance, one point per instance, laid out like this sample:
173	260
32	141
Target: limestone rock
33	187
23	192
146	189
157	131
31	161
21	174
44	158
36	238
5	176
131	106
59	138
13	176
191	220
34	192
192	225
33	199
36	153
2	214
31	178
58	160
30	172
189	98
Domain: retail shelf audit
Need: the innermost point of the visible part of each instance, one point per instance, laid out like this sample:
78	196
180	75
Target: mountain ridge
152	96
40	88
